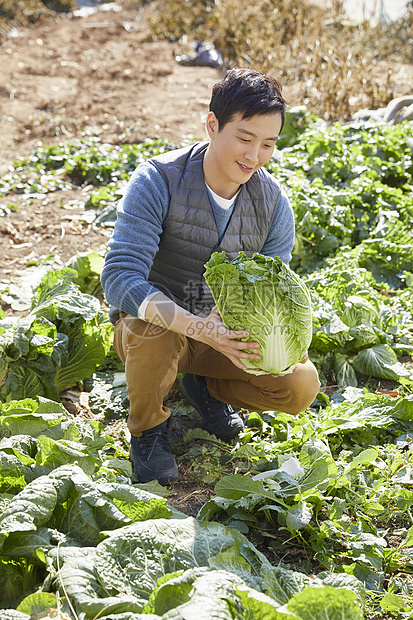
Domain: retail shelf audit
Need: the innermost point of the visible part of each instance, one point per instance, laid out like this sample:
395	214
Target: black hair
246	92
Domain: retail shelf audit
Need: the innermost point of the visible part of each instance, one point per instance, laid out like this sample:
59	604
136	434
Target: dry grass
333	66
22	13
323	61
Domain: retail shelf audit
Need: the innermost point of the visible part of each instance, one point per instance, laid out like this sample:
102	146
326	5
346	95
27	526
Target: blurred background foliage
326	61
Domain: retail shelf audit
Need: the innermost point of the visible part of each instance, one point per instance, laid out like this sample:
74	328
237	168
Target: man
179	208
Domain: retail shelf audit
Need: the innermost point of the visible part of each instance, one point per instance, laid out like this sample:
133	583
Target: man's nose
251	152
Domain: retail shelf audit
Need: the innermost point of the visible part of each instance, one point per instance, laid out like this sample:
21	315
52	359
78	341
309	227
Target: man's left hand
303	361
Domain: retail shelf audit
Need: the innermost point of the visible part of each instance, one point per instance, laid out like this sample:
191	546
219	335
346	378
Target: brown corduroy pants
153	356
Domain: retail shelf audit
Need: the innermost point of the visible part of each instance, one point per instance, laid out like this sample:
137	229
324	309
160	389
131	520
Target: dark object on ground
219	418
206	55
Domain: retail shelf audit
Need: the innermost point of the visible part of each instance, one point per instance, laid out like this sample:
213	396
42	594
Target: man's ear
211	125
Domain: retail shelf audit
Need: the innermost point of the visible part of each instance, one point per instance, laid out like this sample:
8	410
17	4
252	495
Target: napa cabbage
61	341
264	296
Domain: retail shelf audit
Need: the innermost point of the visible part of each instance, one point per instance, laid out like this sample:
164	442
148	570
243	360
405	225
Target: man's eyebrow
251	133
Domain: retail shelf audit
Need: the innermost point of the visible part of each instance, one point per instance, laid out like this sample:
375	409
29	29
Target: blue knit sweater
135	239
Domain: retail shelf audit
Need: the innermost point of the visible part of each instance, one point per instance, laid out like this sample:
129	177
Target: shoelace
147	442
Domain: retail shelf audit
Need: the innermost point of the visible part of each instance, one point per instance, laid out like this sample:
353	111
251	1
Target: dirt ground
60	76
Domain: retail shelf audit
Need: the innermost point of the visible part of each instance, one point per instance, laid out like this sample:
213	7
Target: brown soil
64	74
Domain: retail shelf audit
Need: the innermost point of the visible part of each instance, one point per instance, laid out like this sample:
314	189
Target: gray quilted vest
190	234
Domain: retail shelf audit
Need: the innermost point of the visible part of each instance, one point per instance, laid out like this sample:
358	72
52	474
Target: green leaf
32	507
363	336
83	584
34	424
143	510
88	345
344	370
21	446
233	562
24	382
394	602
380	361
120	466
372	508
61	341
260	606
52	454
12	472
150	549
37	602
282	584
88	266
153	487
212	595
365	457
58	298
203	435
68	500
408	542
298	516
359	312
342	580
174	591
238	486
254	420
27	544
322	470
131	560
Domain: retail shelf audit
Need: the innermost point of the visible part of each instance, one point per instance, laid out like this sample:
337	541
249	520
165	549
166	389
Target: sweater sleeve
280	239
135	239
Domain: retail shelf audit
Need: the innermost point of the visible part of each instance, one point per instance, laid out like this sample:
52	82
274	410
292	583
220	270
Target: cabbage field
311	517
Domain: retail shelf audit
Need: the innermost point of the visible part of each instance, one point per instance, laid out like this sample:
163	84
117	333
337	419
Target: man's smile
245	168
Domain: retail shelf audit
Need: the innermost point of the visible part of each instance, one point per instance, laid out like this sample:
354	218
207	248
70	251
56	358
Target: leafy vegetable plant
264	296
61	341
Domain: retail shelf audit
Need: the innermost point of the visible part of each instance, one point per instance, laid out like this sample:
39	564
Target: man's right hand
212	331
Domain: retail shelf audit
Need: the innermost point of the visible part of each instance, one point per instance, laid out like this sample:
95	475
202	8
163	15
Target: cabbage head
265	297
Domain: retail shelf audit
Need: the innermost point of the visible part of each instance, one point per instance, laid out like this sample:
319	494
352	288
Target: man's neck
210	176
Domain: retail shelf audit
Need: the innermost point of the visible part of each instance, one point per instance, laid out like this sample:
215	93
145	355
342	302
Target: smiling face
238	150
